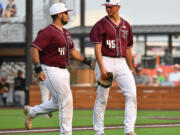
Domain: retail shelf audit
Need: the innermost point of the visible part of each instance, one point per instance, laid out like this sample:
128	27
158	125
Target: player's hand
104	73
41	76
90	62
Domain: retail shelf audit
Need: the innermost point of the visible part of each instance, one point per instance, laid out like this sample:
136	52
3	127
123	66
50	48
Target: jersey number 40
111	43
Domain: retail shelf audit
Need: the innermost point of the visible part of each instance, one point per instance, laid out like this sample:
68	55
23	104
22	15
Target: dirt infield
43	130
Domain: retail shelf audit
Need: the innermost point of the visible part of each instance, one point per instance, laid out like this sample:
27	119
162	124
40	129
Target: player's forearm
98	55
35	55
76	55
129	58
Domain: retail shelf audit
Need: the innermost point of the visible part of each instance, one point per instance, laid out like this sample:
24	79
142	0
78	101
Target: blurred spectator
159	75
1	9
10	10
4	88
167	58
166	82
19	89
175	75
141	79
154	81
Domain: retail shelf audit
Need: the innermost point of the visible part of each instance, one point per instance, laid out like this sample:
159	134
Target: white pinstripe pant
125	80
58	83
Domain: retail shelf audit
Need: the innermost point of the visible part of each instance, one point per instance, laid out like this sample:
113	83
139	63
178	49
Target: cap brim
108	5
68	10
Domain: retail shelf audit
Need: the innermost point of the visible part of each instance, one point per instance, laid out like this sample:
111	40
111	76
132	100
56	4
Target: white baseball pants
44	92
125	80
58	83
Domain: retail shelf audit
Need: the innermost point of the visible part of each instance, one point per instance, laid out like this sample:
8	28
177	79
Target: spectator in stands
4	88
1	9
154	81
175	75
166	82
19	89
141	79
167	58
159	75
10	10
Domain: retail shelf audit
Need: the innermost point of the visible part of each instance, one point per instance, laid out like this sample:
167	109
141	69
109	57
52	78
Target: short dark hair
54	16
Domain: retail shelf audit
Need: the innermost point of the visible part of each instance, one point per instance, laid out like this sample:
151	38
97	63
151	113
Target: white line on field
84	128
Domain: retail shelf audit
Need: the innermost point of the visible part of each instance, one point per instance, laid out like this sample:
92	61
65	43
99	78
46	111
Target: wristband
37	67
87	61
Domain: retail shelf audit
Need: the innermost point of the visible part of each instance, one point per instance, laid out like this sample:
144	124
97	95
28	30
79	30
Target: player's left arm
37	66
129	59
77	56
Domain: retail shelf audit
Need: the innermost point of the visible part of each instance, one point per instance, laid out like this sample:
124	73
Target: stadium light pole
28	26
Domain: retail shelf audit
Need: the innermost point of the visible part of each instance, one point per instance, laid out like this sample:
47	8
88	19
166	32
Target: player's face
112	10
65	18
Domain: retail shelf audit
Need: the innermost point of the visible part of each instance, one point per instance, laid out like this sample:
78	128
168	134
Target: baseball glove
106	83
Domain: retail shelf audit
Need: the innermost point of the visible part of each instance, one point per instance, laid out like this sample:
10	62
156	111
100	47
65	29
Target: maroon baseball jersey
54	46
115	40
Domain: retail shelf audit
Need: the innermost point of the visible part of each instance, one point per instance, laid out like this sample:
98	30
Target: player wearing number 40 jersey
113	39
50	54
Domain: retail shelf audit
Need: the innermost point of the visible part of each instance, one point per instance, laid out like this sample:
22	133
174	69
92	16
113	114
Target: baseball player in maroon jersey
50	54
113	39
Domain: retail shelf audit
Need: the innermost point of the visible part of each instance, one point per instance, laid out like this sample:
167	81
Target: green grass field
14	119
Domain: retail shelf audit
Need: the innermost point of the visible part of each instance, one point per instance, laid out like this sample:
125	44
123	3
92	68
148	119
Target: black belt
56	66
62	67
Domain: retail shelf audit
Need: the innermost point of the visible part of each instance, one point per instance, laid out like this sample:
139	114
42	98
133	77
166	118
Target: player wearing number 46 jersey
113	39
50	54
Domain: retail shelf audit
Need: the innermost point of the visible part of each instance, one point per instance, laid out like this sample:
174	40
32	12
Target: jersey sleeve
96	34
71	45
130	39
41	40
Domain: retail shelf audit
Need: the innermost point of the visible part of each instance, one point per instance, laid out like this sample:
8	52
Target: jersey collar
121	23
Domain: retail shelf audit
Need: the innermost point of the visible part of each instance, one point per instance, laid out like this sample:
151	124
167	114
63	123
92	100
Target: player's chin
110	15
65	22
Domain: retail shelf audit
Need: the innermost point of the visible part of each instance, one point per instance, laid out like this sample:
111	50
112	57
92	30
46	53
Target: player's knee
103	100
131	93
69	101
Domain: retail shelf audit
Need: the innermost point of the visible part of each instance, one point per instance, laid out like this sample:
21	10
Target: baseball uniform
45	95
54	46
114	40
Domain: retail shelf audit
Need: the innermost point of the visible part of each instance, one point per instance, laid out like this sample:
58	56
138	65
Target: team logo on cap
125	34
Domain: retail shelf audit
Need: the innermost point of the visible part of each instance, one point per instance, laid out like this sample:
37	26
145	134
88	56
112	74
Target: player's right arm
98	54
36	61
